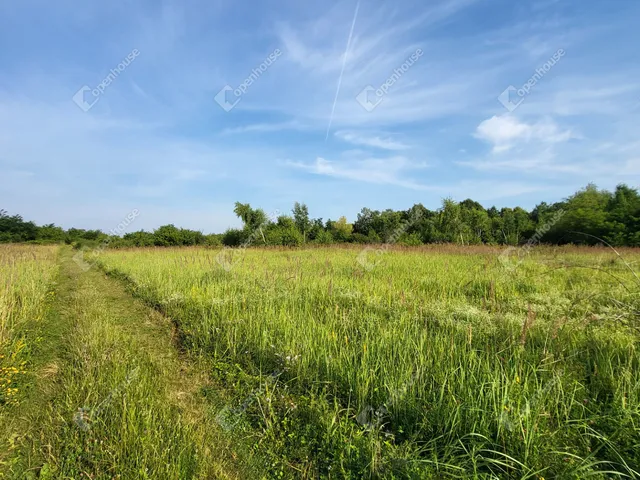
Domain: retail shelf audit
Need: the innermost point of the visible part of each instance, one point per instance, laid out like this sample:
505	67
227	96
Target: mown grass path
113	398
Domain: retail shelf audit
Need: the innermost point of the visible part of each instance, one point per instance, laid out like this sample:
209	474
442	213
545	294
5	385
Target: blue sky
156	140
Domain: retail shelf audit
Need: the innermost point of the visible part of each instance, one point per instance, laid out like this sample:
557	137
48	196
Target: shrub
373	237
166	236
233	237
273	235
291	237
359	238
213	240
287	236
324	238
410	240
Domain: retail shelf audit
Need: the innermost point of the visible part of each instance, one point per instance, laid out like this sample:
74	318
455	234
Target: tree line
587	217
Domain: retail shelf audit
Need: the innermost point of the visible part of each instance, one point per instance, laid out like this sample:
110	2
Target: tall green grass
26	273
109	395
26	276
436	362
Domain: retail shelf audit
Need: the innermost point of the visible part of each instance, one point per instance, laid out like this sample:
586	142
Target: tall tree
301	219
585	214
254	219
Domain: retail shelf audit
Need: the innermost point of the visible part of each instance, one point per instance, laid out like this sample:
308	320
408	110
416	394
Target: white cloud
371	170
371	140
267	127
506	131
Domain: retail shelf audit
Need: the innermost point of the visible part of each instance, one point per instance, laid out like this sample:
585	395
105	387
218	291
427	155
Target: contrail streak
344	62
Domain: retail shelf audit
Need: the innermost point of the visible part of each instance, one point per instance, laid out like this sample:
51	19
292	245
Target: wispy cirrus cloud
383	171
371	140
267	127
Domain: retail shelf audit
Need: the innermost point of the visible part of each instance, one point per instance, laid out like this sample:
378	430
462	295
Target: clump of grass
526	326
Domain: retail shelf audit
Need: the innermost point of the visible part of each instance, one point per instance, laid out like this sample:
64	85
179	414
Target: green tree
15	229
450	222
477	225
140	239
341	230
366	221
51	233
284	232
301	219
623	219
585	213
324	237
167	236
252	218
316	227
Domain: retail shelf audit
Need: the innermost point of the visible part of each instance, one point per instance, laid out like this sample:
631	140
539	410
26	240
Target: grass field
433	362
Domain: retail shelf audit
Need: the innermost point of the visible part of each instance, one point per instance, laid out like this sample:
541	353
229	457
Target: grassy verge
27	342
118	401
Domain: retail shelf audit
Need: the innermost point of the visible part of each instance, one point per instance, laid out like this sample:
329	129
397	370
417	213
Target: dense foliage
584	218
13	229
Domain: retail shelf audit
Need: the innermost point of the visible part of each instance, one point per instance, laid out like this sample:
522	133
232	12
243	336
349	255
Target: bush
359	238
167	236
287	236
233	237
410	240
140	239
373	237
291	237
273	235
213	240
324	238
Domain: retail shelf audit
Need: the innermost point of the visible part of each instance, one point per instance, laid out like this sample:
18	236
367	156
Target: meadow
430	362
438	361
